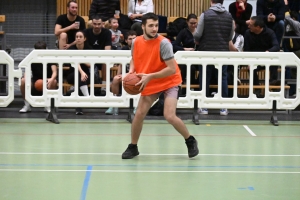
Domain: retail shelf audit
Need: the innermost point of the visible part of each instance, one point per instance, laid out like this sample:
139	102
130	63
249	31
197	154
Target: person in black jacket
104	9
260	38
272	12
241	12
185	42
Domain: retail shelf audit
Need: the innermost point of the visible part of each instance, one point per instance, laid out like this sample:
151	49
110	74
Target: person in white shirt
136	9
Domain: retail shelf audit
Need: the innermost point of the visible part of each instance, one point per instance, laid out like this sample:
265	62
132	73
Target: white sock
84	89
26	103
103	88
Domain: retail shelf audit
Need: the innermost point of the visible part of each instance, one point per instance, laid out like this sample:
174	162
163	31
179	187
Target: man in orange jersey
153	60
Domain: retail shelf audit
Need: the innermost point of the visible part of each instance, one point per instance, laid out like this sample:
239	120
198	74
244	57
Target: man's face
129	39
72	9
97	25
251	26
151	28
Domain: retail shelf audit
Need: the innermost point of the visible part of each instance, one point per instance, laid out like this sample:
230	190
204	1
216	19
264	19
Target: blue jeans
278	28
211	72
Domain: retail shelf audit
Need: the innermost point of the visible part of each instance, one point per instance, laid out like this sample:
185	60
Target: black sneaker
192	146
130	152
79	111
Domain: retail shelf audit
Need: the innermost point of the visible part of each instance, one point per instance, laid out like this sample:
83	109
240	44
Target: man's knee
63	36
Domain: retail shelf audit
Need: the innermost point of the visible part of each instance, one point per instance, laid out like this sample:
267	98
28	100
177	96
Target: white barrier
12	73
252	59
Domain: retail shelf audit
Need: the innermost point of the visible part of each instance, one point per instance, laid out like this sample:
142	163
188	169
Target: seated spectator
136	9
241	12
67	25
272	12
260	38
104	9
185	42
292	44
99	38
83	68
116	35
117	81
294	5
37	73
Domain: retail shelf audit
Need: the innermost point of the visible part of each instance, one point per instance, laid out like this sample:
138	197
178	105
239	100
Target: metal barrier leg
130	113
274	119
52	115
195	113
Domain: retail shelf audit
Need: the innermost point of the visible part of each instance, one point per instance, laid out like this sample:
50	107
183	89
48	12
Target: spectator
116	35
153	60
185	42
104	9
99	38
272	12
117	81
37	73
260	38
83	68
292	44
241	12
67	25
214	31
136	9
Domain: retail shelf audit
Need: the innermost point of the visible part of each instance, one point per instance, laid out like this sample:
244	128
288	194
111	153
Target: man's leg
170	104
224	82
144	105
62	40
279	30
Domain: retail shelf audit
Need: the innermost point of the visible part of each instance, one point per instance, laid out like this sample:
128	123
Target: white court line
249	130
145	171
119	154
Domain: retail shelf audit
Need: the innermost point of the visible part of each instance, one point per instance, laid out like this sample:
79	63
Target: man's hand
145	78
84	77
49	82
66	46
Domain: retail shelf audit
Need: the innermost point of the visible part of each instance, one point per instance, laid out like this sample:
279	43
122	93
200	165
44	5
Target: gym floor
81	159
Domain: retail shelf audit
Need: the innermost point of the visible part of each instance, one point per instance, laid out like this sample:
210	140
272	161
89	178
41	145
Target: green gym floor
81	159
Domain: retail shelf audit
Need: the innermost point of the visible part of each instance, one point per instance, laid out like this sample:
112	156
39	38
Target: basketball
39	85
129	84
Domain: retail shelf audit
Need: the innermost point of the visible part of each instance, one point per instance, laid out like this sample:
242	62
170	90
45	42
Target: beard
148	35
70	13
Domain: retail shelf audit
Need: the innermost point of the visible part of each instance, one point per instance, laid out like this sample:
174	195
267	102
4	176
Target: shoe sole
25	111
130	156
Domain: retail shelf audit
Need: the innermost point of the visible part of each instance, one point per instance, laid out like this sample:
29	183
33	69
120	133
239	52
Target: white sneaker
202	111
109	111
224	111
25	109
134	110
47	109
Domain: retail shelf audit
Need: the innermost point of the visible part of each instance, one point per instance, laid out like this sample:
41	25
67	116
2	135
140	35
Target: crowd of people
236	30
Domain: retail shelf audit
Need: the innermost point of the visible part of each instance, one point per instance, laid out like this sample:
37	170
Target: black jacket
241	21
184	39
104	8
264	8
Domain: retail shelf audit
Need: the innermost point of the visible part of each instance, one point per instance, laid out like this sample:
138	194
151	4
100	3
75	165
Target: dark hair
97	17
40	45
130	32
71	1
294	14
258	21
110	19
191	16
238	29
217	1
147	16
81	31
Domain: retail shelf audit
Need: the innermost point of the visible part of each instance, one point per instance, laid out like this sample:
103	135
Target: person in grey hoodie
214	33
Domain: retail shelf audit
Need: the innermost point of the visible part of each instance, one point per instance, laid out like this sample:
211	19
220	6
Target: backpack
176	26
